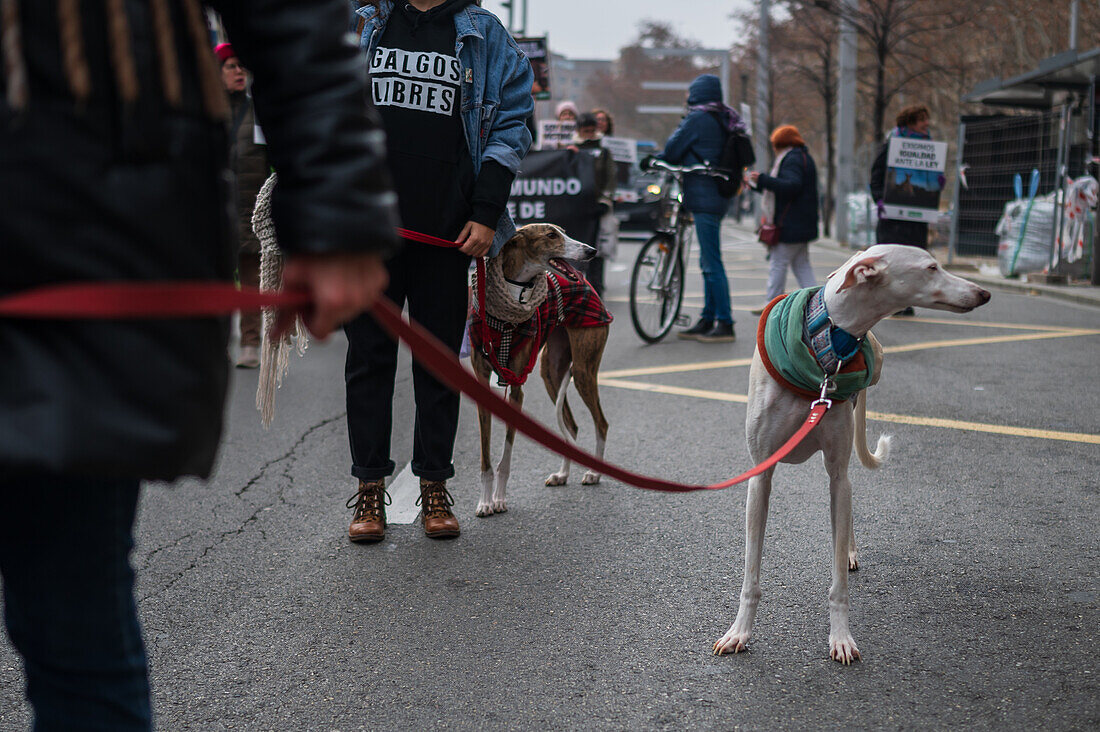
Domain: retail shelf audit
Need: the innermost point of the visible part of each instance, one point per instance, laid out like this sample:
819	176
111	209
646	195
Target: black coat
139	190
894	231
795	188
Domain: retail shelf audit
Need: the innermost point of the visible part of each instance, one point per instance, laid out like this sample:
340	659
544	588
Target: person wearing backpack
790	203
701	138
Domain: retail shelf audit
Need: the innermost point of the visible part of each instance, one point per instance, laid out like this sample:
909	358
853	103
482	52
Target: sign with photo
914	179
624	151
538	53
554	135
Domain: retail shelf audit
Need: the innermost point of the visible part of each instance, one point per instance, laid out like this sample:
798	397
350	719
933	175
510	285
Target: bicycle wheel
656	288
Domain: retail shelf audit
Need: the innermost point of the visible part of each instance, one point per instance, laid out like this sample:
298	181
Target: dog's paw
731	642
590	478
843	649
484	509
557	479
853	561
499	506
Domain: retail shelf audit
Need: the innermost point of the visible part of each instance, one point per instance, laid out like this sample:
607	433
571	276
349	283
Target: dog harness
571	302
799	346
831	345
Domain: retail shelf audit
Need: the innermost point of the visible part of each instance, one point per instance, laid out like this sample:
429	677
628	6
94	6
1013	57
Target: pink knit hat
224	52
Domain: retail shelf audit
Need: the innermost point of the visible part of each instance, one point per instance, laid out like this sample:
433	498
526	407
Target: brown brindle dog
568	351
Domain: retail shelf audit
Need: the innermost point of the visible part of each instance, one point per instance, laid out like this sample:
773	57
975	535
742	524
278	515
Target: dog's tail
561	406
859	437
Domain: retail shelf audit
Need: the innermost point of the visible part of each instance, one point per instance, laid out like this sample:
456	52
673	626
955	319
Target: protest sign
557	187
554	135
624	151
914	179
537	51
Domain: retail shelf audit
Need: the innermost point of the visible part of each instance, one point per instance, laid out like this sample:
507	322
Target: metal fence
996	148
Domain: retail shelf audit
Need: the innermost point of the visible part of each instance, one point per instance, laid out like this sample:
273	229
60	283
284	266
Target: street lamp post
845	118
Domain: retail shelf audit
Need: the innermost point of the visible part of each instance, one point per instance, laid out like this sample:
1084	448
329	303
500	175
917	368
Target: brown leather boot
435	510
369	502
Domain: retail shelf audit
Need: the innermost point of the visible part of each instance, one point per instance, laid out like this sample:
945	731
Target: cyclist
699	139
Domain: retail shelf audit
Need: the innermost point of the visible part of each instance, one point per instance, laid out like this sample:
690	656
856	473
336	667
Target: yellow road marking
732	363
989	340
720	396
954	424
996	429
972	324
675	368
687	295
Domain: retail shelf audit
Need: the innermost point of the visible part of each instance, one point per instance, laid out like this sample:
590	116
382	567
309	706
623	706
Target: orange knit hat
786	136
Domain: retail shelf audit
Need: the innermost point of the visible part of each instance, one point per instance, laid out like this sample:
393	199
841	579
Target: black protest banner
557	187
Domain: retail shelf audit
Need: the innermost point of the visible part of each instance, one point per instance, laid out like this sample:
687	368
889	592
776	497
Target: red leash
501	369
122	300
437	359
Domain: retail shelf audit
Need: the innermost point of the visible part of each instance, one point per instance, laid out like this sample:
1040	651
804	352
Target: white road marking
404	490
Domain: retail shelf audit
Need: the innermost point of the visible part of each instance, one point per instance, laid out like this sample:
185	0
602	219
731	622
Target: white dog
867	288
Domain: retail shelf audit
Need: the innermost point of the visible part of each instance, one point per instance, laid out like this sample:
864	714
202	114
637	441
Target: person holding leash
116	170
790	202
454	92
699	139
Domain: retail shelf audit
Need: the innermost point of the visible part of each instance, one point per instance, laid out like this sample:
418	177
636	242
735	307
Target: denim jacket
496	91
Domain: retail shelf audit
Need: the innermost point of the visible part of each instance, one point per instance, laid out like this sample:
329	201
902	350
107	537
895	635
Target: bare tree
902	36
807	48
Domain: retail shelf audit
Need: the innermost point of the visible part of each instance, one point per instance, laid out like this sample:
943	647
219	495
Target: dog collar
831	346
520	291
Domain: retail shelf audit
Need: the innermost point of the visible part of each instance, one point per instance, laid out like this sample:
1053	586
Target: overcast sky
599	28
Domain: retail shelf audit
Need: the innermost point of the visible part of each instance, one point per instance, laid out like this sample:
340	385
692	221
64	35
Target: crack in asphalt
289	457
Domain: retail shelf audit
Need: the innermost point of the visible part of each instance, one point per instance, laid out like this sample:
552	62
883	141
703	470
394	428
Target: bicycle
657	281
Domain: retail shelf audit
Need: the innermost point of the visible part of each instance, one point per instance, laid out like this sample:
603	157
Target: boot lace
435	500
369	502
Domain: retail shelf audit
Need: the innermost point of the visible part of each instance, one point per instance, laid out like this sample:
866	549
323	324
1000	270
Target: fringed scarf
274	353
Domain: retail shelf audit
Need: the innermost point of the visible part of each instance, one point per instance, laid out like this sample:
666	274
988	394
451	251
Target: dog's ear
519	238
868	269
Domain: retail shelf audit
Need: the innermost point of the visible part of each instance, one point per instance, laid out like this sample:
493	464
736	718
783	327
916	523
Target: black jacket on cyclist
699	139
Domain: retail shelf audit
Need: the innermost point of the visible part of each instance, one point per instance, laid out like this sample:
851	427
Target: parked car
637	201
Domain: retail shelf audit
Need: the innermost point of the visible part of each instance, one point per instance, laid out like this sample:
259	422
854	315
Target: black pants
434	282
69	603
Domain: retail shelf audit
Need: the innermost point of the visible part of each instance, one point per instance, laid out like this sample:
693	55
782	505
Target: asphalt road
596	607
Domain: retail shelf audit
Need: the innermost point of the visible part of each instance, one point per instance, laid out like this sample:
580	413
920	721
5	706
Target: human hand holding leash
475	239
341	286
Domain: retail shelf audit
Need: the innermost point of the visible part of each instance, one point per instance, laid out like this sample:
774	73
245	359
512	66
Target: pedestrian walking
454	93
790	205
913	122
116	170
699	139
588	140
248	160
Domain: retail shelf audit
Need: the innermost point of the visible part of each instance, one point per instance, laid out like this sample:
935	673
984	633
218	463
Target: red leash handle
142	300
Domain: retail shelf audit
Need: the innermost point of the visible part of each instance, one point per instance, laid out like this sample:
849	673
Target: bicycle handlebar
684	169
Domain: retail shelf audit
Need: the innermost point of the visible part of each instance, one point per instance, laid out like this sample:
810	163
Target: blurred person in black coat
114	167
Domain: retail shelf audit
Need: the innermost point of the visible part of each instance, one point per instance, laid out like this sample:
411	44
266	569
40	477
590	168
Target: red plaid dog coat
570	301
